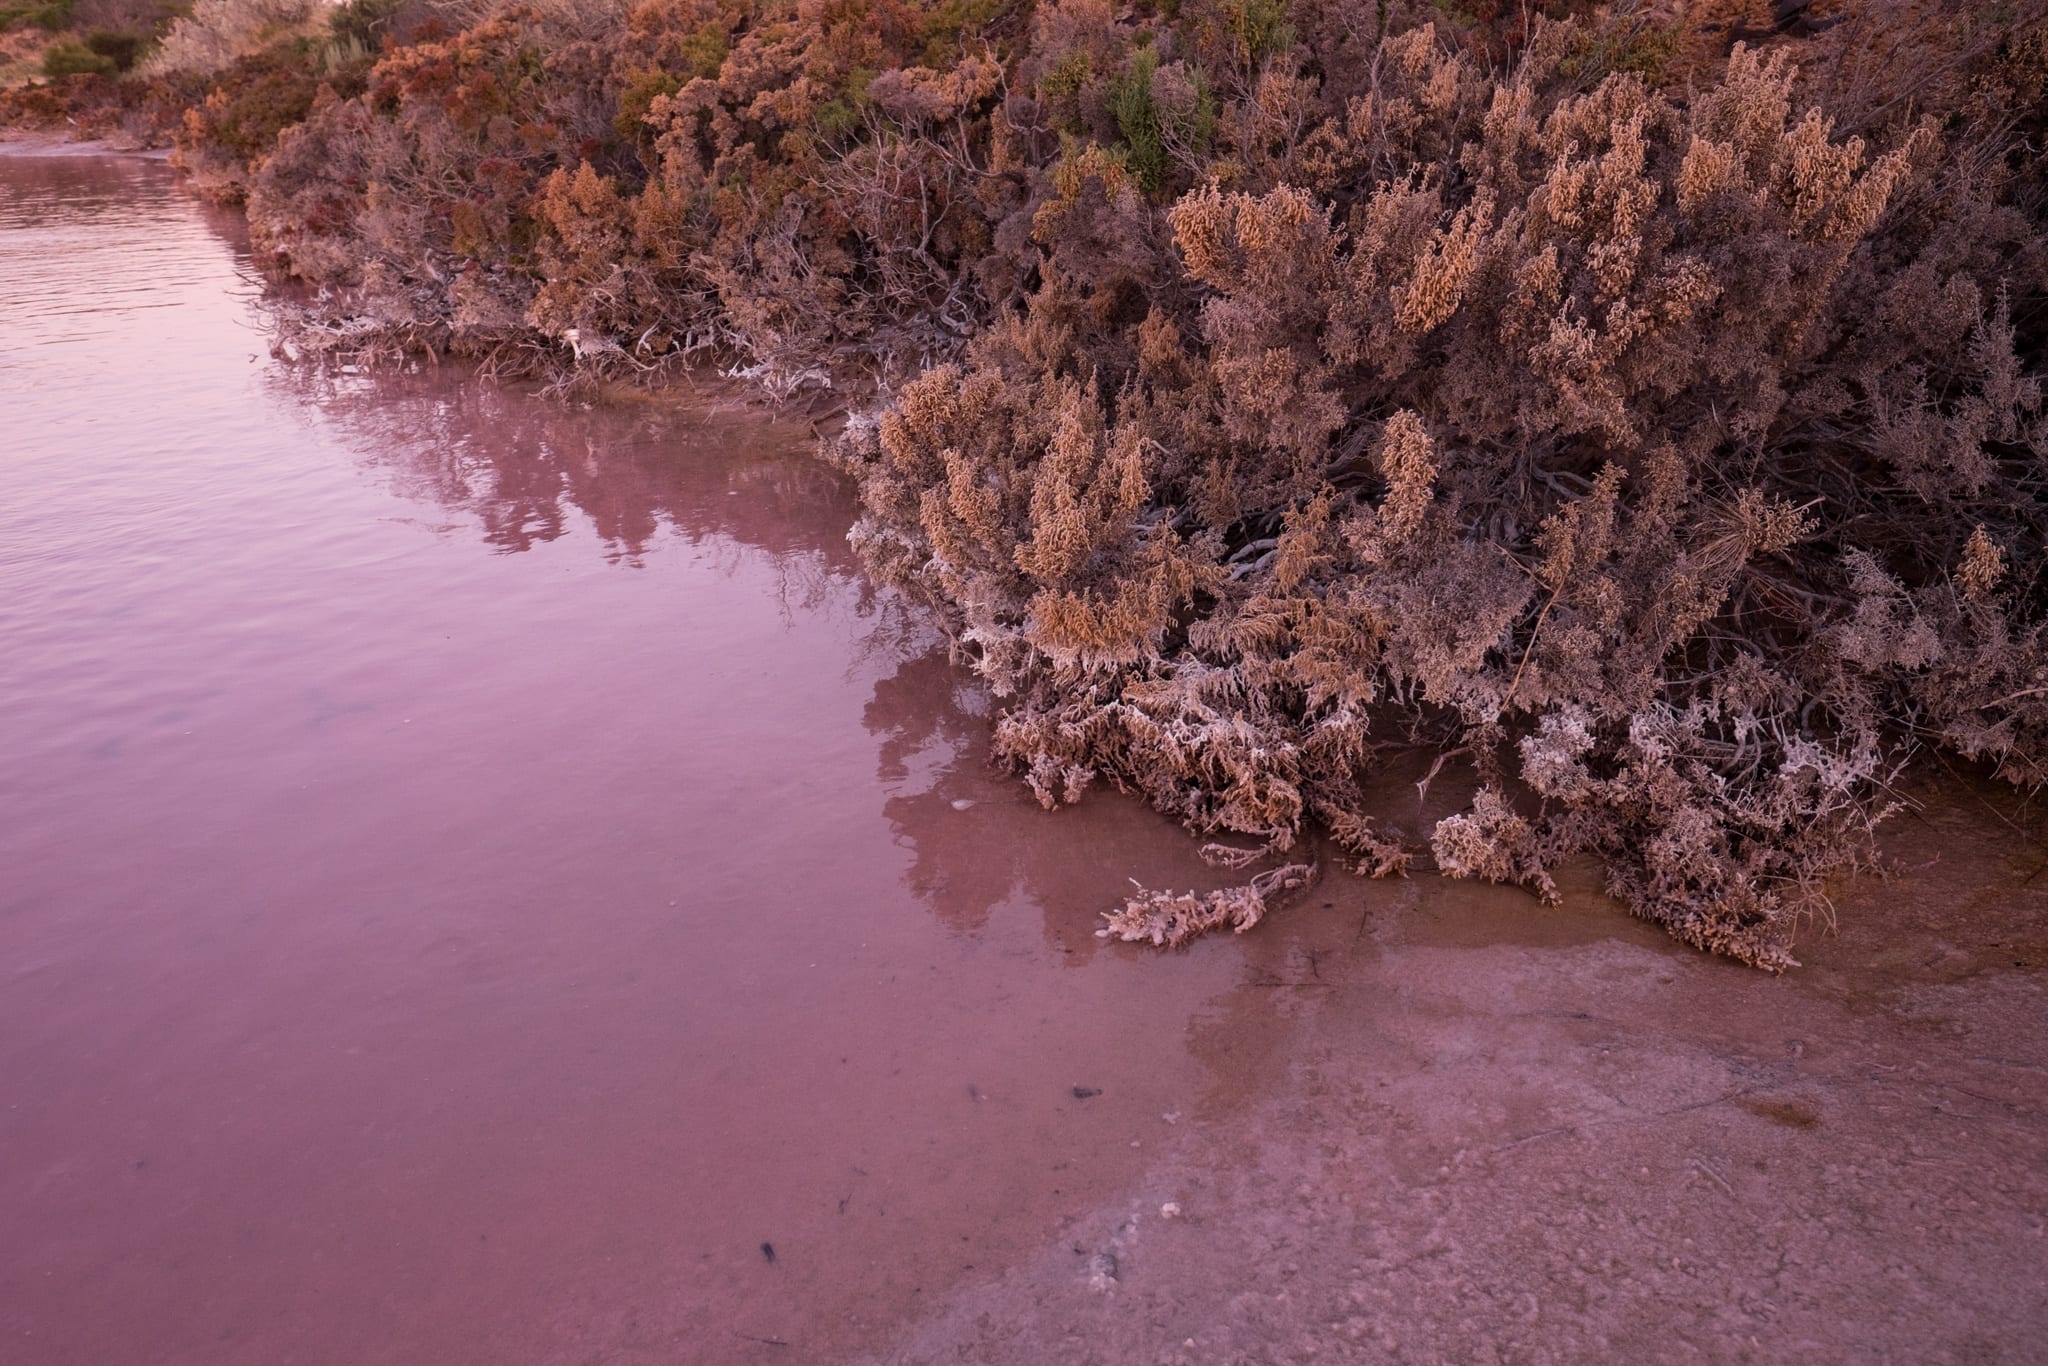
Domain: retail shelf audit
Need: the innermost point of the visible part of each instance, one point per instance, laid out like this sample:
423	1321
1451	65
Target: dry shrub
216	32
253	100
775	182
1643	409
1171	919
1680	465
420	192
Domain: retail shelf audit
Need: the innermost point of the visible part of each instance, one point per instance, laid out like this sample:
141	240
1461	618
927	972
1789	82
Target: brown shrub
1675	463
1644	408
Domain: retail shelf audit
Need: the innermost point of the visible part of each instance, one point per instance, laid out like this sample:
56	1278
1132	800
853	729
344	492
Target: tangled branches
1682	465
1171	919
1650	420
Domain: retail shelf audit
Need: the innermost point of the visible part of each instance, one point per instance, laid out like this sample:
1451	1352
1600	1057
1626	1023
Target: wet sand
1502	1133
480	873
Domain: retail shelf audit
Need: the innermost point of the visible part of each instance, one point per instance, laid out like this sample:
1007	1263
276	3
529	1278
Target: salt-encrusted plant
1652	426
1675	463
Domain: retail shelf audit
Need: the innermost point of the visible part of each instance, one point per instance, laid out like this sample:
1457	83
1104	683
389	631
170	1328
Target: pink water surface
473	869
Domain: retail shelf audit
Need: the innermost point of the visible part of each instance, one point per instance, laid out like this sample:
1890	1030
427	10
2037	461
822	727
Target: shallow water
478	870
477	874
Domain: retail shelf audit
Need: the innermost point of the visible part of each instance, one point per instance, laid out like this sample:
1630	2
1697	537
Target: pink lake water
477	869
477	874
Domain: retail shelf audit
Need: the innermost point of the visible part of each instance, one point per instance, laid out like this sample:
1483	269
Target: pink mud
476	873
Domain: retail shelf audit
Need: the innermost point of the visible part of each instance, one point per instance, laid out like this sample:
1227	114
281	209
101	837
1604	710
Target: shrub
69	57
218	31
1635	453
143	18
252	101
367	23
53	16
120	49
1266	387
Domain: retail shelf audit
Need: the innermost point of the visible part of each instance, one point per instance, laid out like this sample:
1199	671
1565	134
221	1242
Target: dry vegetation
1637	405
216	32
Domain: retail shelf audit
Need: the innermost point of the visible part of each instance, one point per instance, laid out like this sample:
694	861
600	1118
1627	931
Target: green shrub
69	57
1260	28
641	90
52	17
119	48
1137	118
705	50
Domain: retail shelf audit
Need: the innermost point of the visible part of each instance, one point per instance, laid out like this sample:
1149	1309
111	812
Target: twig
1713	1176
1531	1138
1534	631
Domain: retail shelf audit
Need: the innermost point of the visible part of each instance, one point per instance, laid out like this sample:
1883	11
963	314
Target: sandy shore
1504	1133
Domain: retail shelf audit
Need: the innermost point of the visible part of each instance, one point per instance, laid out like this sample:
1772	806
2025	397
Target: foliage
1662	461
253	100
69	57
216	32
52	16
120	49
1171	919
365	24
1639	405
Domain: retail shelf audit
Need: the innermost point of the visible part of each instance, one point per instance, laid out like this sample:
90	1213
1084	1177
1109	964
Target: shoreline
1553	1134
1316	501
19	142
